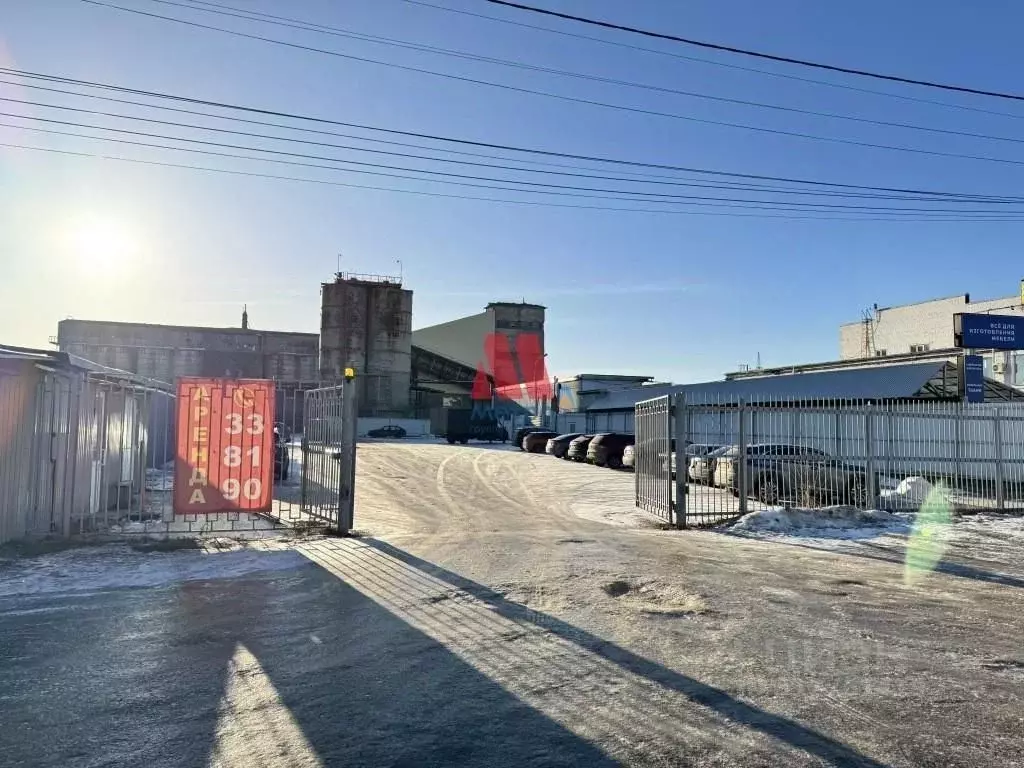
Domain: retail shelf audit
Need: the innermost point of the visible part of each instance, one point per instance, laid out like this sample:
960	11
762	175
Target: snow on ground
117	566
833	528
841	518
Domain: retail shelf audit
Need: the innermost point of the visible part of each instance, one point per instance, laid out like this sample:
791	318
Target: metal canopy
936	380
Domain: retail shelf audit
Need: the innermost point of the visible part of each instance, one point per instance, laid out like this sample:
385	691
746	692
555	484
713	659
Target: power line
700	60
563	97
470	180
284	21
316	131
660	182
759	54
495	200
475	143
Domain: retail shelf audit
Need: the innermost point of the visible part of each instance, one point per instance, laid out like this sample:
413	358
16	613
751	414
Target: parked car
521	433
692	450
391	430
536	442
725	465
810	477
781	472
702	468
629	458
558	446
282	460
578	448
605	450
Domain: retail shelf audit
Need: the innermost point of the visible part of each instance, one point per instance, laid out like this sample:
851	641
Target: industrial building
466	339
500	349
167	352
574	395
924	331
365	324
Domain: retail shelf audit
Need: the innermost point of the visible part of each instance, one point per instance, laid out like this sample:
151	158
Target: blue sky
683	297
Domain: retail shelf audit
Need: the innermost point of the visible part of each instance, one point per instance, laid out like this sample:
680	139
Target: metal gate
653	456
329	456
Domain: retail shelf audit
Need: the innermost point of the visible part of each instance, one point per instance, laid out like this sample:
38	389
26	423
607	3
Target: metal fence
652	465
317	485
87	452
764	454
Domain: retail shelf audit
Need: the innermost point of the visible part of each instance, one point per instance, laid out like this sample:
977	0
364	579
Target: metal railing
759	453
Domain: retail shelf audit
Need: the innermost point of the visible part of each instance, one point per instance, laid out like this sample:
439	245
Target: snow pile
92	569
837	518
909	494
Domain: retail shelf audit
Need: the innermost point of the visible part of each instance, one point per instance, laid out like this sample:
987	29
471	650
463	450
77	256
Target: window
1018	369
880	353
916	349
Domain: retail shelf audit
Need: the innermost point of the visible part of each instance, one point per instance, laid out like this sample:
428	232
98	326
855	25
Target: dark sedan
536	442
802	476
558	446
606	449
391	430
521	433
578	448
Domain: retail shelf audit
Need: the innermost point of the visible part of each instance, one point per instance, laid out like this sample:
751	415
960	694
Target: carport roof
931	380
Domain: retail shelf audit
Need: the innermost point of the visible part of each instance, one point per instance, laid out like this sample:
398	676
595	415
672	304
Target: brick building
925	330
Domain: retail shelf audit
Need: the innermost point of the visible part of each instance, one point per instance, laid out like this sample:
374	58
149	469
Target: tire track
487	483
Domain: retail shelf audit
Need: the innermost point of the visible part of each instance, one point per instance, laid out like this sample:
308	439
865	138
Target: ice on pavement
117	566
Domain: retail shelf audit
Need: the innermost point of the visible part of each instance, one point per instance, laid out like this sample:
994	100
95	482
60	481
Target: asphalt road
487	617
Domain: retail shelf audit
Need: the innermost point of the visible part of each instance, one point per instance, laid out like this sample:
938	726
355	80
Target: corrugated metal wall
18	385
71	447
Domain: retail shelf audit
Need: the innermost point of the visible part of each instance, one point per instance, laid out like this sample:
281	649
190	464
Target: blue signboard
973	331
974	378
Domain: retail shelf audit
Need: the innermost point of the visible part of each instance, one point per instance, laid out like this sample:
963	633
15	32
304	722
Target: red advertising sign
225	451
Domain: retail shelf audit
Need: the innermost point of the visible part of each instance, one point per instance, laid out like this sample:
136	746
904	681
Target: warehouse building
574	395
934	381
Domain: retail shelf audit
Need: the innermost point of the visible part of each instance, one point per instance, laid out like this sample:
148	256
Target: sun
96	240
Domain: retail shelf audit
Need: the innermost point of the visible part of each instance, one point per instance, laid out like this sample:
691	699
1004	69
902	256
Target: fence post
958	439
682	433
741	460
346	488
869	467
669	432
997	438
639	466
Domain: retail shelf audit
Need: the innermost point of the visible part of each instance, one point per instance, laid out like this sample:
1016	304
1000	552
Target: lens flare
928	536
